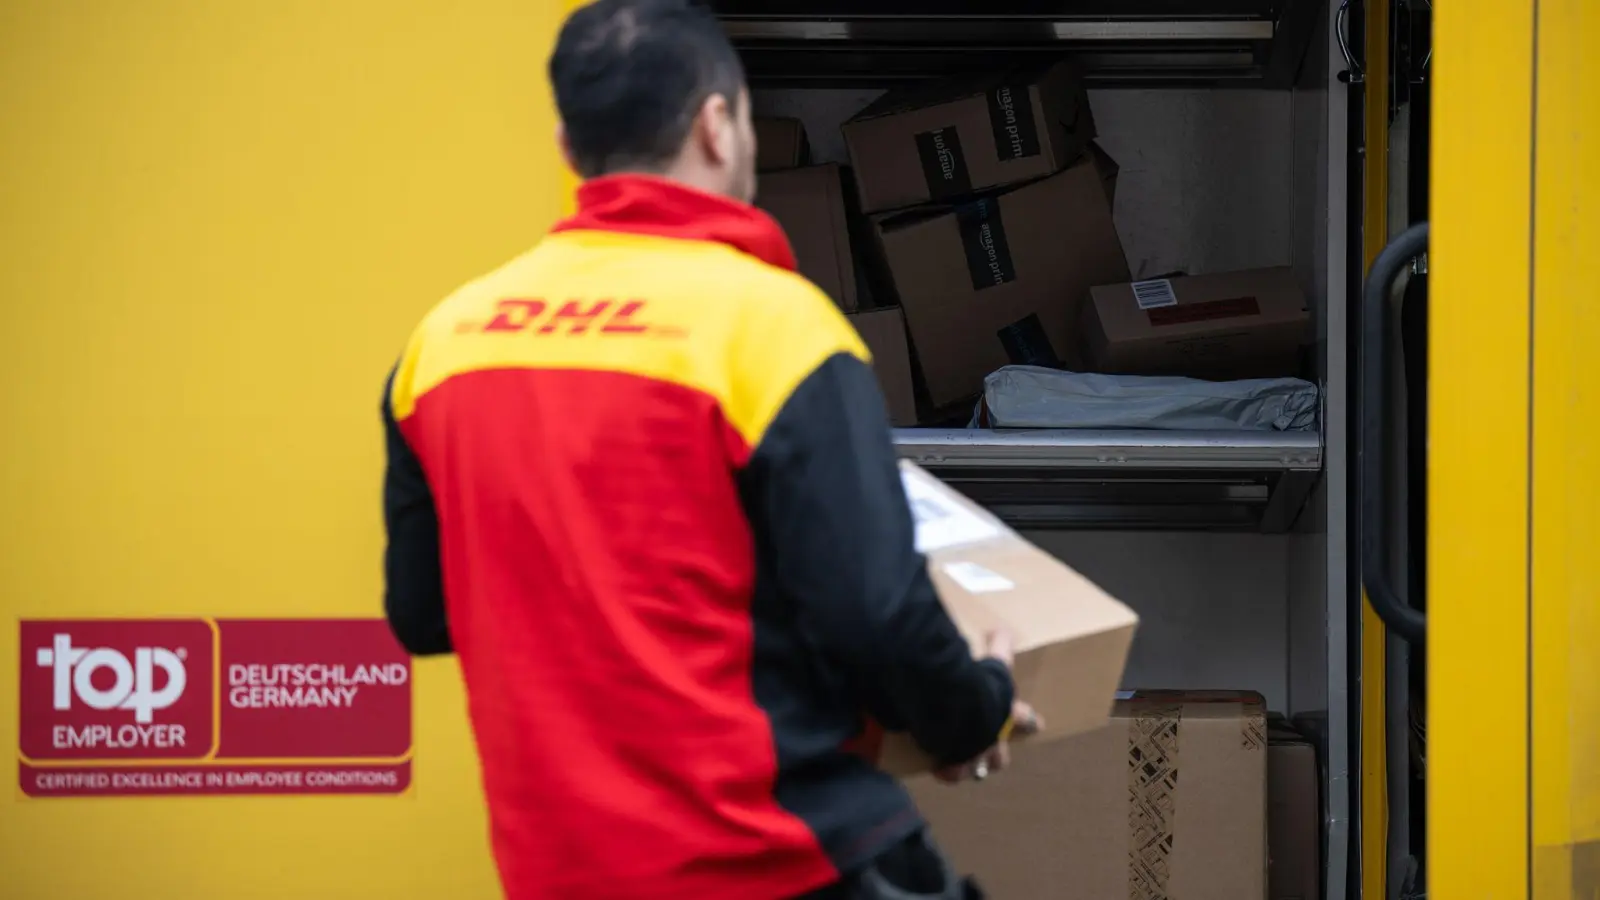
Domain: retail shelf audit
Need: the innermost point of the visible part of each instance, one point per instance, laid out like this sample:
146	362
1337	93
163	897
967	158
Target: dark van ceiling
836	43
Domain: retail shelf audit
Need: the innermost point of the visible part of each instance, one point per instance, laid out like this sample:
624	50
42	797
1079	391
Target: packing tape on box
1152	796
1154	741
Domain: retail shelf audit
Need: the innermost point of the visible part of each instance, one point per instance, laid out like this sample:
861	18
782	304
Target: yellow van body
220	220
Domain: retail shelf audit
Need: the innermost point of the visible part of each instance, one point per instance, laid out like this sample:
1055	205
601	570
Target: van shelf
1153	480
876	43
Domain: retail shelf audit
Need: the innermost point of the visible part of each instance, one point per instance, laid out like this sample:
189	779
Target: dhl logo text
573	317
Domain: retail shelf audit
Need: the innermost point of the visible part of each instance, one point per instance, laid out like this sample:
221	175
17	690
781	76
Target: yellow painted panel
1478	451
1566	463
218	222
1374	636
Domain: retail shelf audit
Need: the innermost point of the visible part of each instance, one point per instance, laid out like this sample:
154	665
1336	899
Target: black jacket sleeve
413	595
823	489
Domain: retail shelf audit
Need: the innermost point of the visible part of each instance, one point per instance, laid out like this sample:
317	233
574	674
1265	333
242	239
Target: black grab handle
1405	621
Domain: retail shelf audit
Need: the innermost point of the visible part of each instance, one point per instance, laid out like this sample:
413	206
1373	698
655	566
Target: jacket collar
644	204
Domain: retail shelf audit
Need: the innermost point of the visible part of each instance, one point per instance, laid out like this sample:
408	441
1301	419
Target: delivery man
640	481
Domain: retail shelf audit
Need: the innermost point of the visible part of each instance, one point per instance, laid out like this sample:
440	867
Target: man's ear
715	130
566	147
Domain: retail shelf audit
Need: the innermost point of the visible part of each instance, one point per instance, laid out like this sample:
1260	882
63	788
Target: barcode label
924	511
940	521
1154	294
975	579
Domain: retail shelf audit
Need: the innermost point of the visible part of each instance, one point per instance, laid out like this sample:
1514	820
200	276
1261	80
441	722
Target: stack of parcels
973	231
815	205
971	242
990	216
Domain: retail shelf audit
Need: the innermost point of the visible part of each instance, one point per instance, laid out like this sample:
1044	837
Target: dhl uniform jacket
640	481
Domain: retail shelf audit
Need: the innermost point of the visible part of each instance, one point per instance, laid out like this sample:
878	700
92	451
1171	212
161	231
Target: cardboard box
1248	324
947	141
1072	638
1109	170
1168	802
884	332
809	204
1013	269
780	144
1294	819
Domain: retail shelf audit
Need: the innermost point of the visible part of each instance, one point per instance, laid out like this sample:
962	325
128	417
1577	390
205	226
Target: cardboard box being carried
1248	324
1001	279
809	204
949	140
1169	802
884	333
1072	638
780	144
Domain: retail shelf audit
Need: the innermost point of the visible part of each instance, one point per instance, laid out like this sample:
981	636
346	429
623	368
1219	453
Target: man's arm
824	489
413	595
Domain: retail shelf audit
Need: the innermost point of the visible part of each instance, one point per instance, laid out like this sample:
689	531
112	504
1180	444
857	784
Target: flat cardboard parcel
1072	638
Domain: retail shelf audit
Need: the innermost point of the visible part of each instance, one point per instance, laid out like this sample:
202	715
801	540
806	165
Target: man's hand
1002	646
1023	721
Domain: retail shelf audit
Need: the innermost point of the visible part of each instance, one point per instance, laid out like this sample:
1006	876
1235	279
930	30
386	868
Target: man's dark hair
630	75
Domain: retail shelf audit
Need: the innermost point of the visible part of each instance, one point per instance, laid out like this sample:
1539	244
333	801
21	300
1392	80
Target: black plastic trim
1403	620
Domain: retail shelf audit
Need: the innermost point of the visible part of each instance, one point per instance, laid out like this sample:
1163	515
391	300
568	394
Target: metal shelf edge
1096	449
1033	30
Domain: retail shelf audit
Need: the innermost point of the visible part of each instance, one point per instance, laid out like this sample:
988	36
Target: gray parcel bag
1036	397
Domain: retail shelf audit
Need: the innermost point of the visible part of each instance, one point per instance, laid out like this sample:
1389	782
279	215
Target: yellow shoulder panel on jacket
693	313
411	378
782	342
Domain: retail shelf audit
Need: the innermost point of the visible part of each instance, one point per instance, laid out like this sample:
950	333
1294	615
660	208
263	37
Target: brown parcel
1109	170
780	144
1072	638
1020	262
1169	802
1248	324
951	139
1294	839
809	204
884	333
